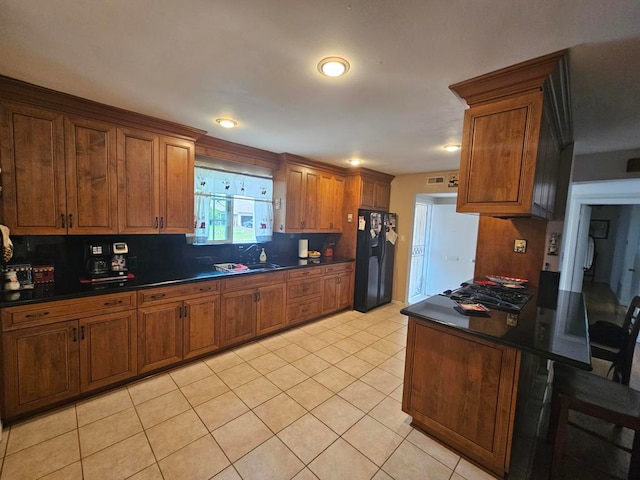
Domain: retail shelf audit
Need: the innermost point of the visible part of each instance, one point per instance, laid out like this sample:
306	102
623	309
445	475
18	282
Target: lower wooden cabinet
41	366
56	351
177	322
468	402
52	362
201	326
108	349
159	336
337	288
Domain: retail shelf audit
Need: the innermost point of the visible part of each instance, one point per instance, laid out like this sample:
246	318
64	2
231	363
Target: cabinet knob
82	332
155	224
74	334
62	222
161	222
71	220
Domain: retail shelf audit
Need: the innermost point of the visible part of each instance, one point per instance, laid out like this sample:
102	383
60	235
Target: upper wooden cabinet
516	125
59	173
307	199
155	183
375	193
72	166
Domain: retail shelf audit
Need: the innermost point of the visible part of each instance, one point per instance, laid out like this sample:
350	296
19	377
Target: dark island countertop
72	288
558	333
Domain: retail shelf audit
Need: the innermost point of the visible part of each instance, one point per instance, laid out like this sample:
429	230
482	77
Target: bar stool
597	397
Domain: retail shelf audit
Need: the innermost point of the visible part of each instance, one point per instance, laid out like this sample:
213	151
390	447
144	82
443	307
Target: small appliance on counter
303	248
106	262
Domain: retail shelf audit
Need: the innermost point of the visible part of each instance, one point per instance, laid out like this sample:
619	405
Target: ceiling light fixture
355	161
451	148
333	66
226	122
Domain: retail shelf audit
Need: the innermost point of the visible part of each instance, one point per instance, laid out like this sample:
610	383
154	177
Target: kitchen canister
11	281
303	248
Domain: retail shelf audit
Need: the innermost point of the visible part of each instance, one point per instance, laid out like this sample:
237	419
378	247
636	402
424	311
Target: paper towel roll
303	248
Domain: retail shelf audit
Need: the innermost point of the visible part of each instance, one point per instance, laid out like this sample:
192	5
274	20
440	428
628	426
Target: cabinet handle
155	296
180	311
258	296
155	224
82	332
74	334
36	315
112	303
339	280
161	222
186	311
62	220
71	220
204	289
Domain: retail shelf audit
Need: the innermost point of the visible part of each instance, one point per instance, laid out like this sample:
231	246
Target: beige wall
404	189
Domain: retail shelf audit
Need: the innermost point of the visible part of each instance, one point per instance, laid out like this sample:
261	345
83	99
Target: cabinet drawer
305	273
50	312
304	288
153	296
245	281
299	312
339	268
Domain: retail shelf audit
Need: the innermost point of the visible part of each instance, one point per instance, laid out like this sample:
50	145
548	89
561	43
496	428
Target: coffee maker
106	260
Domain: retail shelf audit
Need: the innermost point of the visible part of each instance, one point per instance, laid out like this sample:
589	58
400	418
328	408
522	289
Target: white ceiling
191	61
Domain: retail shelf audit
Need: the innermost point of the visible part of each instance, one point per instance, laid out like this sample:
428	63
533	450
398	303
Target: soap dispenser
263	256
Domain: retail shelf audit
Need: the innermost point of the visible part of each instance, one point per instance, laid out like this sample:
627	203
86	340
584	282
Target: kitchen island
462	372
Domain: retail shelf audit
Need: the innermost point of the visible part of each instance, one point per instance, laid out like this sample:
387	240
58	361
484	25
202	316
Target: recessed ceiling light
333	66
451	148
226	122
355	161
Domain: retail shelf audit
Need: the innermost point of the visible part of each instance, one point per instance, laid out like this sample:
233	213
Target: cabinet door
311	203
238	316
330	203
92	184
295	199
330	294
344	290
201	325
381	195
498	160
367	193
270	308
41	366
138	181
33	171
176	185
468	402
159	336
338	203
108	347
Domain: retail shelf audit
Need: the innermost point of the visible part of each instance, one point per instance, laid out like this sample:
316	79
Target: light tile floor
319	401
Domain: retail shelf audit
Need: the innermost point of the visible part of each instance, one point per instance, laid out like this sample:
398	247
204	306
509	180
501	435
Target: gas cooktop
491	296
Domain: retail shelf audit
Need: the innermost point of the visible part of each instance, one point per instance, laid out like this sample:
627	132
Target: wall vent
435	180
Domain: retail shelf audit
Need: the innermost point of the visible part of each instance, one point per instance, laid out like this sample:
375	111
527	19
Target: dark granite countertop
63	290
558	333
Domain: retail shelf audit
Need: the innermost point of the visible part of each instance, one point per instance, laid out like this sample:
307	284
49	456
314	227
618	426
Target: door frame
608	192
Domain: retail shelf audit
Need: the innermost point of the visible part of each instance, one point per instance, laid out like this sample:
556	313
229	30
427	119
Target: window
232	207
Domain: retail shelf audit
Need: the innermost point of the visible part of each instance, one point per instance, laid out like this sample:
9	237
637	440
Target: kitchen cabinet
514	129
337	287
177	322
304	294
469	401
331	203
66	163
57	350
308	197
375	194
299	206
252	305
155	183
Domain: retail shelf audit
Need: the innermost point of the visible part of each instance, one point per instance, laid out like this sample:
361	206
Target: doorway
582	196
443	246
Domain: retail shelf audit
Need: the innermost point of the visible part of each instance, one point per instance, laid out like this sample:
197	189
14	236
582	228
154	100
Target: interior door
581	248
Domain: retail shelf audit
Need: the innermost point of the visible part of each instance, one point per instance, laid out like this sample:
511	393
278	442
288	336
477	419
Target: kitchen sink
262	266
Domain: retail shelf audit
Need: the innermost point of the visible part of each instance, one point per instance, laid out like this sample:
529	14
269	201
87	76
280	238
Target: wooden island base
462	390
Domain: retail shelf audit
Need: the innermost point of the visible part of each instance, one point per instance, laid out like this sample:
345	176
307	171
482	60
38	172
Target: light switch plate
520	246
349	217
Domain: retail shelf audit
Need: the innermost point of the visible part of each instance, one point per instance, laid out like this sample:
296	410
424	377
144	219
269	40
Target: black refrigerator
377	235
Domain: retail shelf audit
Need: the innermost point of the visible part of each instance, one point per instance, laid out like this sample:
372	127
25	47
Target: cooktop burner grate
496	297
